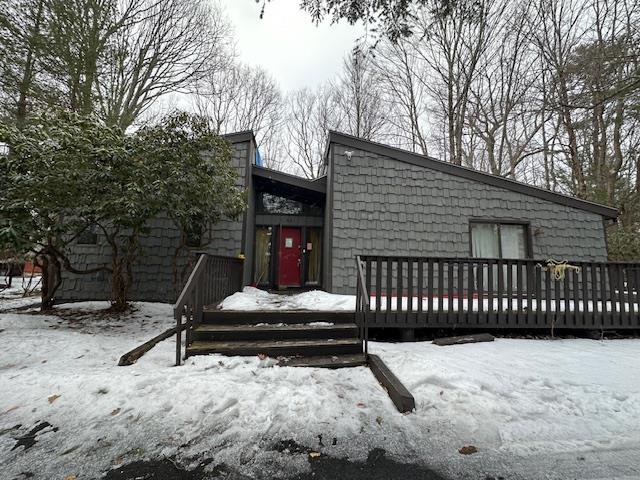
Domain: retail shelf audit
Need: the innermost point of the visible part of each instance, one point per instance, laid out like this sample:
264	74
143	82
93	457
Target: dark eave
469	174
274	176
239	137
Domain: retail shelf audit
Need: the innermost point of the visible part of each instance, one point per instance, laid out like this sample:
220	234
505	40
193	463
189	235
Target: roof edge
239	137
317	185
470	174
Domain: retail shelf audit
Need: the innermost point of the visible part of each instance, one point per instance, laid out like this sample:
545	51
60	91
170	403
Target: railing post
362	303
178	316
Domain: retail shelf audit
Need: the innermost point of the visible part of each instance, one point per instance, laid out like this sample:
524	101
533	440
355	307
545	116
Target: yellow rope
558	269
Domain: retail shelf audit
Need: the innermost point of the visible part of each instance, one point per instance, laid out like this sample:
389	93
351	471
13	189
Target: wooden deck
476	293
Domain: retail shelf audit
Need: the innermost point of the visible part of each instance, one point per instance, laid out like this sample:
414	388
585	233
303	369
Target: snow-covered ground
534	409
23	291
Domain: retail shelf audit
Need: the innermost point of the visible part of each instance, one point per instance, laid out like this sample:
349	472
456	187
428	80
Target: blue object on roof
258	158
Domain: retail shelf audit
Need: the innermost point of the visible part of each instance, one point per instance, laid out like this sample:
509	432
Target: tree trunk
25	85
50	280
119	287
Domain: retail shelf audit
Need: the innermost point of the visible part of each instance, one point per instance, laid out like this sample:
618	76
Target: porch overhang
291	186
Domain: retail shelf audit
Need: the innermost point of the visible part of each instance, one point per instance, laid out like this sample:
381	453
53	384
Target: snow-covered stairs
297	338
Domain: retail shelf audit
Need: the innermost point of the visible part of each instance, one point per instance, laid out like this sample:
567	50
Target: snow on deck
534	409
251	299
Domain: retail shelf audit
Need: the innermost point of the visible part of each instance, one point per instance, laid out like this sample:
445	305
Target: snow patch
251	299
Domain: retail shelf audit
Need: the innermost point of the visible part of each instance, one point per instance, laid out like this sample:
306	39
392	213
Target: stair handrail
189	304
363	306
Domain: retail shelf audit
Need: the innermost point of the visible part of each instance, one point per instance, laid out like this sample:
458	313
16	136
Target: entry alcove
288	233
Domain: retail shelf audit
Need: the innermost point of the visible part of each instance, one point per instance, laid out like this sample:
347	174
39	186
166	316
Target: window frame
88	237
499	222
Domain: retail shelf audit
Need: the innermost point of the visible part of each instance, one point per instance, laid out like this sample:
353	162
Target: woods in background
542	91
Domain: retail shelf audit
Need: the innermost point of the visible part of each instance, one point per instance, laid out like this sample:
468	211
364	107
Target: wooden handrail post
212	279
362	304
178	316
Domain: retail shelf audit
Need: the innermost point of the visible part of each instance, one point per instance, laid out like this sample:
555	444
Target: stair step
332	361
274	348
288	317
274	331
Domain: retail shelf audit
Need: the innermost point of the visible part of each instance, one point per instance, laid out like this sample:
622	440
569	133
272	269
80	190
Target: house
373	200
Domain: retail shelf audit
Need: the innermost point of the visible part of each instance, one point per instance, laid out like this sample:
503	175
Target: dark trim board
236	317
239	137
319	185
469	174
268	220
400	396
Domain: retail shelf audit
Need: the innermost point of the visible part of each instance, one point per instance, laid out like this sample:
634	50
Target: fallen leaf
467	450
379	420
115	412
360	404
314	454
53	398
441	392
262	356
70	477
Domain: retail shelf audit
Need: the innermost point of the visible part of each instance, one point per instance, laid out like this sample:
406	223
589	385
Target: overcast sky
287	43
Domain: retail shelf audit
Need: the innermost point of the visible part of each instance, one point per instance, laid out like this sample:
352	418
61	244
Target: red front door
290	257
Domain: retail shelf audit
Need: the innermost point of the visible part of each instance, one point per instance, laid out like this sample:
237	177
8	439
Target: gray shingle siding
383	206
153	272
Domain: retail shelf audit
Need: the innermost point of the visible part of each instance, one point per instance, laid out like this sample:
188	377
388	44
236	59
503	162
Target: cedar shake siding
153	271
374	200
385	206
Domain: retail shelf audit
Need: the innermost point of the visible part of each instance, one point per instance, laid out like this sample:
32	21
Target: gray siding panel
383	206
154	270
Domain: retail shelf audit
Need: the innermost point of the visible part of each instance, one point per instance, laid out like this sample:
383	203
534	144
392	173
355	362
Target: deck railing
438	292
212	279
362	307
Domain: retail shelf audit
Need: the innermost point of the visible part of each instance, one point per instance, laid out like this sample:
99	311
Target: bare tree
504	109
165	47
21	48
399	70
78	35
558	33
310	114
453	46
359	98
238	97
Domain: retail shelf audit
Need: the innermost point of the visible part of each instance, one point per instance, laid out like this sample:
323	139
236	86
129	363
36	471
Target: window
313	249
88	236
193	232
499	240
505	240
262	266
275	204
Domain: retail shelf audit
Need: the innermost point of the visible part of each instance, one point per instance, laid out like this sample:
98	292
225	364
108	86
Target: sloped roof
238	137
470	174
319	185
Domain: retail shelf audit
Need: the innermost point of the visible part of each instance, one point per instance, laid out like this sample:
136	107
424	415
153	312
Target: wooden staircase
296	338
